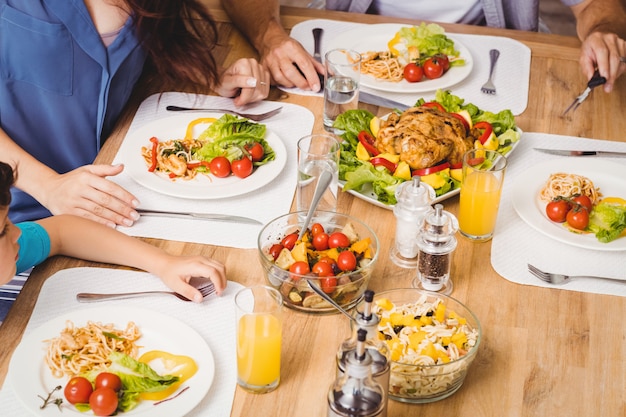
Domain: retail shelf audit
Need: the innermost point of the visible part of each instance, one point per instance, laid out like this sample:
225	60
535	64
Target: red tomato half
103	401
242	168
220	166
78	390
413	72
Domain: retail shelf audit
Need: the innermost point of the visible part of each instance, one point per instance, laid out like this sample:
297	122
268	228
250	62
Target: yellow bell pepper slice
181	366
194	123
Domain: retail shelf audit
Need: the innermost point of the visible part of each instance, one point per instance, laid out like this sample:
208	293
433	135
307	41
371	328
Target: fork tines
538	273
207	289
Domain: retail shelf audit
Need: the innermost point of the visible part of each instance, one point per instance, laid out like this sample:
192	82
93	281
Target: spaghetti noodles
81	349
382	66
569	185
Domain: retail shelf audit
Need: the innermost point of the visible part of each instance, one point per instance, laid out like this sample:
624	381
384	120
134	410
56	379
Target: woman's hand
246	80
85	192
176	272
604	51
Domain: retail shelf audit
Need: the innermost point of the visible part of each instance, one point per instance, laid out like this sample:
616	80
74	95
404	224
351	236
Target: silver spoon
322	185
328	298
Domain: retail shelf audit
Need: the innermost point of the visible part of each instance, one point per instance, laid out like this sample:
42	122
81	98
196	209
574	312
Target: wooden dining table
544	351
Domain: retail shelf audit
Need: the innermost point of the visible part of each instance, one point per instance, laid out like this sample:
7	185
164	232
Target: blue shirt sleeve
34	245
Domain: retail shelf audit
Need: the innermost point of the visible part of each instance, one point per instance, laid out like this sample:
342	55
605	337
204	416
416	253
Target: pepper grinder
379	352
436	242
356	393
413	203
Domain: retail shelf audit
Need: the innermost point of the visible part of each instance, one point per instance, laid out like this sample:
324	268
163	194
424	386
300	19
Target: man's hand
607	52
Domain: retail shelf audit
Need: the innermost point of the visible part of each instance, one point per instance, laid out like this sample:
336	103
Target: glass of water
341	89
316	154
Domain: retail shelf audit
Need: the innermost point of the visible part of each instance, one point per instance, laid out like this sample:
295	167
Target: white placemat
515	243
214	320
511	77
264	204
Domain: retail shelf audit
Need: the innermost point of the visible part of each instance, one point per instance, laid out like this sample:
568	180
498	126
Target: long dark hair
179	37
7	179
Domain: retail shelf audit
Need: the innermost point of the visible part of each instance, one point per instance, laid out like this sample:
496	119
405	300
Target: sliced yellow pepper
361	153
181	366
194	123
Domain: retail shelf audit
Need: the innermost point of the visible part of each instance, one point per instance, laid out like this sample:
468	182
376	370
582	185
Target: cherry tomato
338	240
323	269
327	259
328	284
289	241
275	250
578	218
300	268
445	61
584	201
242	167
433	68
316	229
256	151
346	261
103	401
320	241
557	210
413	72
78	390
220	166
107	379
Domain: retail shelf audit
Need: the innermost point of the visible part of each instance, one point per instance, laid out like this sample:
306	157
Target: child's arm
86	239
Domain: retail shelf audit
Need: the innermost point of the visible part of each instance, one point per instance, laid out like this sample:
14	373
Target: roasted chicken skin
424	136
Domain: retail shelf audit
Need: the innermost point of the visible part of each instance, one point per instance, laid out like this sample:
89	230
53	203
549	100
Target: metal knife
202	216
581	153
366	97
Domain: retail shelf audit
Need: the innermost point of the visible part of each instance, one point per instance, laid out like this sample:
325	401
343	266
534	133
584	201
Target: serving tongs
595	81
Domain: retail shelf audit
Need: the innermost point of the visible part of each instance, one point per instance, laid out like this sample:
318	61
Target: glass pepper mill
436	242
377	349
413	203
355	393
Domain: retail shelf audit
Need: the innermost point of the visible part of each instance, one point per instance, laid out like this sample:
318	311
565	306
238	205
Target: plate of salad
373	176
208	157
398	42
31	377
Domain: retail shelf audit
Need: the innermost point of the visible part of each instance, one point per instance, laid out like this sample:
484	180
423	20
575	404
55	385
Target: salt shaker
377	349
413	203
355	393
436	242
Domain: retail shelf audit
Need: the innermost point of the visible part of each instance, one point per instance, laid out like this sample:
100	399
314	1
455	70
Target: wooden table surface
544	351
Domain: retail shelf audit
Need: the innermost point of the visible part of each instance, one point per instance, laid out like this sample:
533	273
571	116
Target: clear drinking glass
483	176
341	88
317	153
259	338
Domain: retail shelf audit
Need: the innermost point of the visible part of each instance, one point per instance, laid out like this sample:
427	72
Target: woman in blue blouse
68	68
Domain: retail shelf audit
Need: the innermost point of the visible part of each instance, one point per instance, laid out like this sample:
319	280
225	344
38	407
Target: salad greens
229	135
357	173
607	221
429	39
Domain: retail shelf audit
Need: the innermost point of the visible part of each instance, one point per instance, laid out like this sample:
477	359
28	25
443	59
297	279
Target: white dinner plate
202	187
30	376
367	194
605	175
375	38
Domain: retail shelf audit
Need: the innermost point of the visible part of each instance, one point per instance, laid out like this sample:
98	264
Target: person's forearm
257	19
85	239
600	16
30	172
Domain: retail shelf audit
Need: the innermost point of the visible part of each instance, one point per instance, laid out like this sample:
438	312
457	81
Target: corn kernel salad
427	334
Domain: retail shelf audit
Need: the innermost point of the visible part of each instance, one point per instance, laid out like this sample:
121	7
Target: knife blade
564	152
369	98
201	216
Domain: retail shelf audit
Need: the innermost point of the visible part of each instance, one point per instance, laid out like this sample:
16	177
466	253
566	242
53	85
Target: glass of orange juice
483	176
259	336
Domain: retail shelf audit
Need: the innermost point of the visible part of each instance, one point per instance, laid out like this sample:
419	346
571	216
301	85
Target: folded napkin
214	320
264	204
511	77
516	244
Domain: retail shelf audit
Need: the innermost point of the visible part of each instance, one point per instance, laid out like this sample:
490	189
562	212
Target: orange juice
258	349
478	204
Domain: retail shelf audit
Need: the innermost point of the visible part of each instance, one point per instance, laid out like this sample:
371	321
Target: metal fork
558	279
252	116
489	87
205	289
